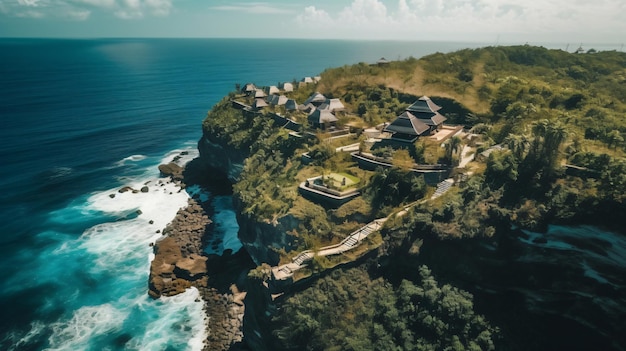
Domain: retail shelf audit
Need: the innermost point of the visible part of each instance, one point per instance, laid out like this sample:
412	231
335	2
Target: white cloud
159	7
255	8
82	9
78	15
314	16
470	19
32	3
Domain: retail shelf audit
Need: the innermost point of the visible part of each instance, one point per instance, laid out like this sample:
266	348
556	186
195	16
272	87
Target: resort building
425	110
322	119
407	128
248	89
272	89
291	105
287	87
316	99
259	104
277	100
259	94
334	105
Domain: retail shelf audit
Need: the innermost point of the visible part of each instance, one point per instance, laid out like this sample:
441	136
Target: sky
491	21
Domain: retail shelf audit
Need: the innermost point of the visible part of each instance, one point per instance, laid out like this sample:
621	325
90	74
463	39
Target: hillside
535	138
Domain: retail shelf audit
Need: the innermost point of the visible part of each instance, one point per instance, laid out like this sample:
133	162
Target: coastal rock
192	267
125	189
145	189
171	170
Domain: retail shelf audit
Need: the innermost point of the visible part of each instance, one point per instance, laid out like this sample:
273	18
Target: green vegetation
558	118
349	310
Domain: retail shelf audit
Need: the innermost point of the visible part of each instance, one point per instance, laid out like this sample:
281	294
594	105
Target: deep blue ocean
81	119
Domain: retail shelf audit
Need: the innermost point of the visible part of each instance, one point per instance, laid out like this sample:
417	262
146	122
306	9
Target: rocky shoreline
181	263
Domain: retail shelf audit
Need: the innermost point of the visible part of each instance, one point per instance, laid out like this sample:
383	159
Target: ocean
83	118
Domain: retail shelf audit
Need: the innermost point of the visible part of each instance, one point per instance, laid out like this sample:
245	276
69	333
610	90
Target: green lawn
341	180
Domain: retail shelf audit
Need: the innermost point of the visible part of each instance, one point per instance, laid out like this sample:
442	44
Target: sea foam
108	265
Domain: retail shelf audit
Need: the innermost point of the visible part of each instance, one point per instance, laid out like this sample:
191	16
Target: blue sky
597	21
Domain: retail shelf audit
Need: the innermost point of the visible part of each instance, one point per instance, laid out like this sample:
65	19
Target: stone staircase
442	187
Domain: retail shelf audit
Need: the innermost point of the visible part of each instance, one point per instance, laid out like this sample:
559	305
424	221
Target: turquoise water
82	118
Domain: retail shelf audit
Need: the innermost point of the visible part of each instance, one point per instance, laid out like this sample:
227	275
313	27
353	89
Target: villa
333	105
426	111
322	119
316	99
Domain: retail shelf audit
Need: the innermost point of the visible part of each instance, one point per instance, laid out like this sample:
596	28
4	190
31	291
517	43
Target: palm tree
452	147
518	144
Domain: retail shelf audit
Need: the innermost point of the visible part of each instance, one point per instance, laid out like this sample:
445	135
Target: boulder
171	170
192	267
144	189
125	189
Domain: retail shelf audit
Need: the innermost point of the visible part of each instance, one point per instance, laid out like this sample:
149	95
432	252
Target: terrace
334	189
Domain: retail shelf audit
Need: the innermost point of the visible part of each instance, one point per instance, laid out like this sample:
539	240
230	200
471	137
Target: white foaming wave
183	155
159	204
180	322
135	158
86	323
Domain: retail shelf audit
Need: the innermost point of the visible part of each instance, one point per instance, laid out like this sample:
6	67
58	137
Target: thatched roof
287	87
426	110
291	104
407	124
248	88
307	80
277	99
424	104
259	103
321	117
382	61
259	94
315	98
332	105
272	89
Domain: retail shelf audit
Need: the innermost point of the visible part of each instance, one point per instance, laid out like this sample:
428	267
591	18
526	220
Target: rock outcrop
225	159
172	170
179	258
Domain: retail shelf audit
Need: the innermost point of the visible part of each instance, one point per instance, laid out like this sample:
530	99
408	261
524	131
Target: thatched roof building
426	111
334	105
322	119
407	127
315	99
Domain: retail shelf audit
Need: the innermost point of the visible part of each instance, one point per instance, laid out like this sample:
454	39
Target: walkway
301	260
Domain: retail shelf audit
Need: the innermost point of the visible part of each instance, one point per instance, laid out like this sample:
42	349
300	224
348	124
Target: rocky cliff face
222	158
262	240
560	290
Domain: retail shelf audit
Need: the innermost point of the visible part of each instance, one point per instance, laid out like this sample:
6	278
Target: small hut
287	87
334	105
258	104
272	89
382	62
307	80
277	100
259	94
317	79
248	89
316	99
291	105
322	119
